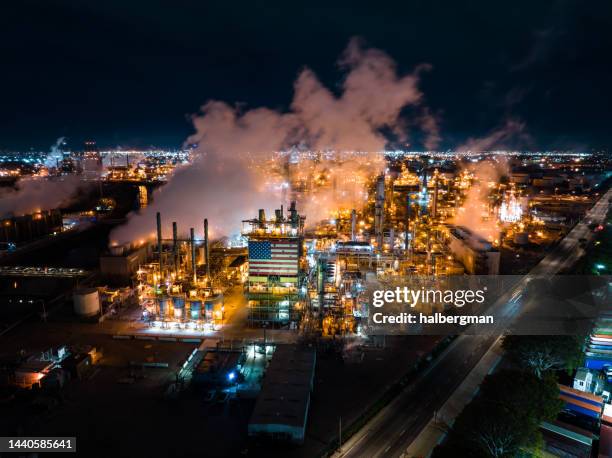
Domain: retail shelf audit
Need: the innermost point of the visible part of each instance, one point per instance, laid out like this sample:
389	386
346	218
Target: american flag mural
273	257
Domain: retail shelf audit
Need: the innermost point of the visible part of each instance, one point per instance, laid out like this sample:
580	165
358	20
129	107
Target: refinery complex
361	230
257	312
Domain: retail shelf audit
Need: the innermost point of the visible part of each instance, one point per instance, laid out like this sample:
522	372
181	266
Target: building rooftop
474	240
285	395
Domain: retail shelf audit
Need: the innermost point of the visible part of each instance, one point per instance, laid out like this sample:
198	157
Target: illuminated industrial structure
475	253
173	292
510	210
420	215
276	274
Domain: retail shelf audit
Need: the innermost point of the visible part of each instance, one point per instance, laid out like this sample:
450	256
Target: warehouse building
281	411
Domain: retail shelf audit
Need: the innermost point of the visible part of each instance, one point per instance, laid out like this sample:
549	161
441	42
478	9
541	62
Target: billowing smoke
56	153
431	127
232	176
35	194
346	183
477	213
511	133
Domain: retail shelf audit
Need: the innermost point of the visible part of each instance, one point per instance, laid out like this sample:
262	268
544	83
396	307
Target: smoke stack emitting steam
223	181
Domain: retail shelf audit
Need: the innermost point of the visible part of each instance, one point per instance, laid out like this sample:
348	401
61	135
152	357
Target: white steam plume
35	194
56	154
499	138
476	213
228	182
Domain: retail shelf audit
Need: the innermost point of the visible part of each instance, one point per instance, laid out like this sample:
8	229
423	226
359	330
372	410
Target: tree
504	419
533	398
494	429
541	354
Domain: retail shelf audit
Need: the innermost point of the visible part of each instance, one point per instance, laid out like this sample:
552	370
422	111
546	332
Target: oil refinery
233	302
306	231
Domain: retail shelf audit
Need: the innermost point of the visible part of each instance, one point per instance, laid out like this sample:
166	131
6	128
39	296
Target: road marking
387	449
403	431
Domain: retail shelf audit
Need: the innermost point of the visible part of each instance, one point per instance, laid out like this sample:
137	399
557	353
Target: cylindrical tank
179	306
213	303
196	309
86	301
163	306
521	238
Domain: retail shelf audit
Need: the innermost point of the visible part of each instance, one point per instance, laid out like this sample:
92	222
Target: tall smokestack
159	243
407	228
175	247
353	225
379	209
193	253
434	206
206	252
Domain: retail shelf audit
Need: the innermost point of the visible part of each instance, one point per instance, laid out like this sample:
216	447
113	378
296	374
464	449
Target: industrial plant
244	314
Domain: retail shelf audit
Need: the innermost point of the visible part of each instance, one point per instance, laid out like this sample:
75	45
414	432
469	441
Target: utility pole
340	433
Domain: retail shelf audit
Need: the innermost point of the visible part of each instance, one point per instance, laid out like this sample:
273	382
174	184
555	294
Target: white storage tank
86	301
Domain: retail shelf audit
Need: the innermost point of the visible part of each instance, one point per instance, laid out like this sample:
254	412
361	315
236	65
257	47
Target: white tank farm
86	301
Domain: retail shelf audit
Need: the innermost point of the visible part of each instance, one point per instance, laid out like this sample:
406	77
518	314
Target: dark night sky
129	72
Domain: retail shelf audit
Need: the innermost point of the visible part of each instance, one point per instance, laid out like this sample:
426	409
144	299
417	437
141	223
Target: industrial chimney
175	253
206	248
159	243
193	253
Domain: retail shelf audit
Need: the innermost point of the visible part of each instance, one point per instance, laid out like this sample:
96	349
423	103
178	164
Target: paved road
396	426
